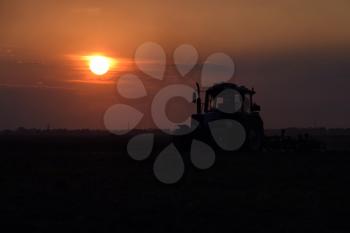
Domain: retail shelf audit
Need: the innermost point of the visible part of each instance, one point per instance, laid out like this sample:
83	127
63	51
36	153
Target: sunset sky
296	54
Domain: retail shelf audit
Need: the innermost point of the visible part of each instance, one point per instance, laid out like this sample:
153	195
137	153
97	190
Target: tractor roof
217	88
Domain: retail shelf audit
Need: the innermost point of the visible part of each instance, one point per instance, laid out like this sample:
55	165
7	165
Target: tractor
228	101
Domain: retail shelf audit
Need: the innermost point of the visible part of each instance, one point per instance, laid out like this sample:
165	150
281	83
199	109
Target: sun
99	65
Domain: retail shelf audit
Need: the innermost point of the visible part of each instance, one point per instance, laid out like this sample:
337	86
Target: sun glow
99	65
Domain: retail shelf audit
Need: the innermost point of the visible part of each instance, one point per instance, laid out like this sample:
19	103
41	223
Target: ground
90	184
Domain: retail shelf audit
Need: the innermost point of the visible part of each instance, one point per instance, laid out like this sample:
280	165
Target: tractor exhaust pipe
198	100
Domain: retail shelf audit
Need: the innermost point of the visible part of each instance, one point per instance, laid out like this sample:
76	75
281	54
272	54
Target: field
90	184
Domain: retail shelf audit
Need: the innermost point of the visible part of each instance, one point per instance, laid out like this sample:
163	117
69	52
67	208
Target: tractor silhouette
226	101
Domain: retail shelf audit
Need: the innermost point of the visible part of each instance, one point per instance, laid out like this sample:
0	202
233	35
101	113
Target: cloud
101	82
37	86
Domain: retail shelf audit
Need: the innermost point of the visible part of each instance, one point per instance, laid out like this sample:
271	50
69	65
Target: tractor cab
229	98
225	98
228	101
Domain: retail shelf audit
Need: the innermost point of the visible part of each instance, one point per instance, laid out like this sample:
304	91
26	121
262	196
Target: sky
296	54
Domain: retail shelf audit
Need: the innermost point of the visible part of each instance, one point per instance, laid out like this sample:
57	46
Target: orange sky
270	40
57	27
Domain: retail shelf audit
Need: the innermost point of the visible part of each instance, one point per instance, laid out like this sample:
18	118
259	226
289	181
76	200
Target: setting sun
99	65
